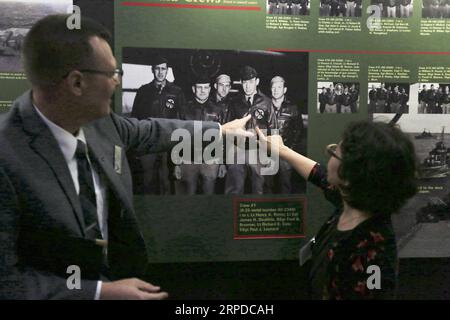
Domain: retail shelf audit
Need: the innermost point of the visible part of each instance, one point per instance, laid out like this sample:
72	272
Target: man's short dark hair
379	165
51	50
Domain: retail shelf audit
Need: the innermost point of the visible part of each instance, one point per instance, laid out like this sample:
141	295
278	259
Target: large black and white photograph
216	85
337	97
289	7
394	8
423	224
340	8
433	98
16	18
388	97
436	9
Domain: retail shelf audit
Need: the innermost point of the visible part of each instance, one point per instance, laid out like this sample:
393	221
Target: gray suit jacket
41	220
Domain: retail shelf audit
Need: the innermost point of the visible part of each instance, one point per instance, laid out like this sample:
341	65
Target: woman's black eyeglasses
331	150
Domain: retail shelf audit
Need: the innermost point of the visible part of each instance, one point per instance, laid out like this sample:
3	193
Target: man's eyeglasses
331	151
109	74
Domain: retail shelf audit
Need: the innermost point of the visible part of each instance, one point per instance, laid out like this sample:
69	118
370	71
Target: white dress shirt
68	144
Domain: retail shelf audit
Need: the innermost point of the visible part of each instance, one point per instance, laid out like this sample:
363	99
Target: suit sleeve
18	282
159	135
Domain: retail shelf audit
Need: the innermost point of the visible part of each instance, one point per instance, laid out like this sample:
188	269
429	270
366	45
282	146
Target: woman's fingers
260	134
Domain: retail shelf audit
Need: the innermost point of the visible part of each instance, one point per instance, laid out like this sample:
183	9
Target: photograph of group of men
217	86
436	9
16	19
394	8
288	7
388	97
338	97
434	98
340	8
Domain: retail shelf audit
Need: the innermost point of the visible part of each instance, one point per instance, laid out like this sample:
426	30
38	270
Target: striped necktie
87	192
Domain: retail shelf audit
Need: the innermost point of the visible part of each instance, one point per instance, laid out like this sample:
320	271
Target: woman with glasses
369	176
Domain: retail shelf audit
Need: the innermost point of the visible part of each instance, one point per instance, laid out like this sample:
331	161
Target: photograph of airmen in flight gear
390	97
433	98
337	97
395	8
220	86
340	8
289	7
16	19
436	9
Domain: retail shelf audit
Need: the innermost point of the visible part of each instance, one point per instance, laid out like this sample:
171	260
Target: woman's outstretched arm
301	164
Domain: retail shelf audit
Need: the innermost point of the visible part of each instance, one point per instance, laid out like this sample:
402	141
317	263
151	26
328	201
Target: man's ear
284	90
257	81
74	82
193	89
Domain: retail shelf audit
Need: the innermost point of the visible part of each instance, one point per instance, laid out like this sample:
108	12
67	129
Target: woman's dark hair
379	167
51	50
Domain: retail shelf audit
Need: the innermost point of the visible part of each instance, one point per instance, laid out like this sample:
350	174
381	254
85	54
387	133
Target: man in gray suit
65	186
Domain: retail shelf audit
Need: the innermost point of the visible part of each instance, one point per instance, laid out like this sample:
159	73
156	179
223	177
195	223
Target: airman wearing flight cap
254	102
222	97
158	99
189	175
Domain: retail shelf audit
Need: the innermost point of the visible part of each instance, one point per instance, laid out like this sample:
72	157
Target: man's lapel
43	143
109	157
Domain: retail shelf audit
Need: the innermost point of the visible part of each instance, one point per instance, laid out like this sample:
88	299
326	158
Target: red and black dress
340	259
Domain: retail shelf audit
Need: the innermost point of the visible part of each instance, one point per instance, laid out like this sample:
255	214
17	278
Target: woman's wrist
283	150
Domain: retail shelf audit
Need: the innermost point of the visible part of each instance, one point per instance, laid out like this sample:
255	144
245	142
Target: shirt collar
278	104
67	142
161	85
252	97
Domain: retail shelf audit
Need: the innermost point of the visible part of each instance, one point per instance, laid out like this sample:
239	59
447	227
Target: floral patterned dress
357	264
